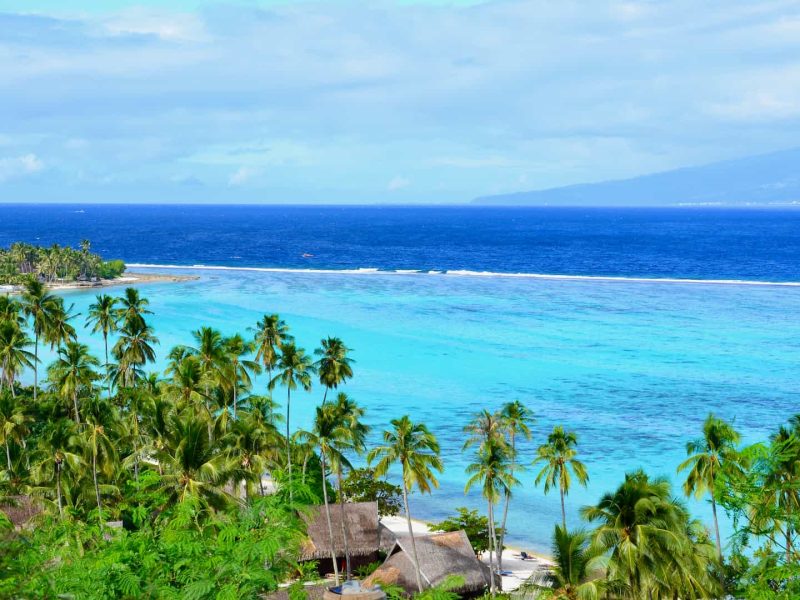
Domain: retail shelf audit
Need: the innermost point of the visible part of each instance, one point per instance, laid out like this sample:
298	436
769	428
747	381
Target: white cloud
397	183
19	166
243	175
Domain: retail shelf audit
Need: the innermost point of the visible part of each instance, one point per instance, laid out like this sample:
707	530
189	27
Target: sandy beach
515	570
126	279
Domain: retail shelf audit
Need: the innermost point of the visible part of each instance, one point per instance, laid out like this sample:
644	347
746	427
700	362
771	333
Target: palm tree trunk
288	441
35	362
97	488
325	396
417	572
716	527
58	488
328	517
235	390
108	372
563	510
345	525
492	545
75	405
8	454
507	502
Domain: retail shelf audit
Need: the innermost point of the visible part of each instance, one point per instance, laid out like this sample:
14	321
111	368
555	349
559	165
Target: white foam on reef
467	273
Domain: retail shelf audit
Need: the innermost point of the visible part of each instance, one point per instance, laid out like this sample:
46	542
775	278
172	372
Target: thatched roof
20	509
440	555
365	534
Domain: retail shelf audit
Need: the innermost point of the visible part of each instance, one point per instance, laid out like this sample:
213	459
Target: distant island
763	180
55	264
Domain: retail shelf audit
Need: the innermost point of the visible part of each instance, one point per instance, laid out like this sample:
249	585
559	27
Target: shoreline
481	274
128	278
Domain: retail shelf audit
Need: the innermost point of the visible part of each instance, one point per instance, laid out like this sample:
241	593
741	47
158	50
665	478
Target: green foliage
111	269
57	263
474	524
365	571
362	485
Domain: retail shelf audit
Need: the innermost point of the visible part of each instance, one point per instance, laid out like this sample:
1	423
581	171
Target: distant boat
307	255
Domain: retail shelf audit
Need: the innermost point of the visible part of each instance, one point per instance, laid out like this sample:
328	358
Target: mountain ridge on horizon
763	179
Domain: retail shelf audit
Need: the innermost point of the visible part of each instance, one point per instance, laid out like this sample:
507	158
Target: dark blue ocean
633	366
682	243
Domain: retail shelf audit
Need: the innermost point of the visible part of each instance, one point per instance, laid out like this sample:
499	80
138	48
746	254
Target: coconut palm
132	308
39	305
417	452
13	424
576	573
103	317
102	454
353	440
239	369
707	457
187	383
559	458
781	489
133	350
11	311
643	531
60	331
57	452
516	419
492	470
484	427
72	372
249	443
334	365
14	354
294	368
271	332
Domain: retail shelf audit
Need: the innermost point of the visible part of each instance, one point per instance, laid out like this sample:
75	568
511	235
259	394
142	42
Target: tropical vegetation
20	262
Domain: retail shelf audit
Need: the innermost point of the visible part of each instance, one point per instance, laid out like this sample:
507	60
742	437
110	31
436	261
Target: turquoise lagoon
633	367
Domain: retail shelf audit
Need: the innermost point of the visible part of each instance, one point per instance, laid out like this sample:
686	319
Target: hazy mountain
764	179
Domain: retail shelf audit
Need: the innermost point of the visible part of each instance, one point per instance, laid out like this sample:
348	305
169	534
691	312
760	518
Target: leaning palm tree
334	365
294	368
13	424
559	458
72	372
492	470
103	317
707	457
271	332
14	354
39	305
417	451
516	419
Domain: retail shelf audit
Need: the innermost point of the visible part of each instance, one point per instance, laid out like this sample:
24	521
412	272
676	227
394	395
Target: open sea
448	313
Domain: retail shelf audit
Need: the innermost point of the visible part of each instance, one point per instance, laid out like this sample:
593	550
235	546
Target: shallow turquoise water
632	367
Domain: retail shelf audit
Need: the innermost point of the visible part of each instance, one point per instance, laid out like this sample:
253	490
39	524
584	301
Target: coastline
128	278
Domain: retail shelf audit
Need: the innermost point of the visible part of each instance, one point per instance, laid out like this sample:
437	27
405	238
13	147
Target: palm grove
181	459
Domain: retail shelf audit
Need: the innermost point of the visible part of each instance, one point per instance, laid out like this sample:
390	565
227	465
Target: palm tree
334	366
133	350
187	384
295	369
353	439
240	369
14	356
103	316
707	457
417	451
558	456
516	419
57	451
72	372
102	452
60	331
645	534
326	431
249	443
38	304
271	332
132	308
577	567
781	490
492	470
13	424
11	311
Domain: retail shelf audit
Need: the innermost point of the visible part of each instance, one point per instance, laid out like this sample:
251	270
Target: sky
382	101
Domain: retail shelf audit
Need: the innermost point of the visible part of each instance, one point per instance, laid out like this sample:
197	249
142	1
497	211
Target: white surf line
464	273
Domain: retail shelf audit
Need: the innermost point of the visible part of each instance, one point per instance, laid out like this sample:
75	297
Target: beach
128	278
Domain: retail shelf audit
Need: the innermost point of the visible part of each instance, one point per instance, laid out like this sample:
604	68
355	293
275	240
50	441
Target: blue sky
382	101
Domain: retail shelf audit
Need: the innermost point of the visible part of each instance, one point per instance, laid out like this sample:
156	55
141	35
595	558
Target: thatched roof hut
20	509
366	534
440	555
